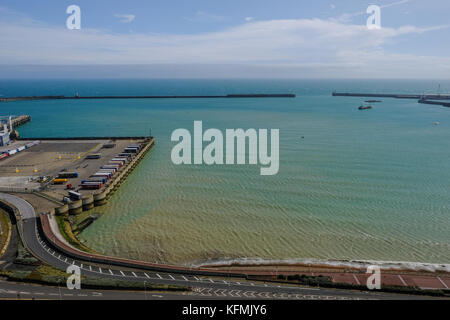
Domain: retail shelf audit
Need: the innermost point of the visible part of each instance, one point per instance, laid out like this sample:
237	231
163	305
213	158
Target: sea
353	185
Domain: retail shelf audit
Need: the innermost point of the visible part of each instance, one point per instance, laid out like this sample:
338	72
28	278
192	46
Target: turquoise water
360	185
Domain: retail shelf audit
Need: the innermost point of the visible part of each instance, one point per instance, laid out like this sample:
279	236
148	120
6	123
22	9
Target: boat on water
364	107
373	101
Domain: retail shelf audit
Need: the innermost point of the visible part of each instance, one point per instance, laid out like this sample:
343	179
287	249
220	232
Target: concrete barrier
61	210
99	199
88	202
76	207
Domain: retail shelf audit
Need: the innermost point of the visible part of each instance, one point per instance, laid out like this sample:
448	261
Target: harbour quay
70	175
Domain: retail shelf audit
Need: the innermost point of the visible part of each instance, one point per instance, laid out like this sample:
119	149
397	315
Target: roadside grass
66	231
47	275
5	227
24	257
326	282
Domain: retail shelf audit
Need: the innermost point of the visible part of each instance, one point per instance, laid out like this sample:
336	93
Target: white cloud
322	46
395	3
125	18
248	19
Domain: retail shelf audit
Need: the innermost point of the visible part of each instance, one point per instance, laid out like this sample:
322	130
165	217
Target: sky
225	39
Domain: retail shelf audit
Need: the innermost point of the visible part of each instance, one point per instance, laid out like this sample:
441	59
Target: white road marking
122	273
100	269
159	276
220	292
403	281
171	277
356	279
185	278
146	275
134	274
443	283
235	294
111	271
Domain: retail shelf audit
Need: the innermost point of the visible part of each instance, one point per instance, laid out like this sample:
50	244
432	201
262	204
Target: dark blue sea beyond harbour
359	185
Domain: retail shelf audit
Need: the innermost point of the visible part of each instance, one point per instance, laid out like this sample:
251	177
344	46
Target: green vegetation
327	282
47	275
66	231
5	227
24	257
308	280
76	219
78	223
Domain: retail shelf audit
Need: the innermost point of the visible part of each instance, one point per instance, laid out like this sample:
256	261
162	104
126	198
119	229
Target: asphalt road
203	287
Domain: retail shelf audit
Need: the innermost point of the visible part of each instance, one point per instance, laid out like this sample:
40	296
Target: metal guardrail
15	190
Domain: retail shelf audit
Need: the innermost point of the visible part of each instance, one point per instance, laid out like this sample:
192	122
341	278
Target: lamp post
59	289
145	290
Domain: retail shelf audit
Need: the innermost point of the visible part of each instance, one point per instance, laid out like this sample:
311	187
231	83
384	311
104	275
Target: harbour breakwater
421	98
257	95
444	104
20	120
394	95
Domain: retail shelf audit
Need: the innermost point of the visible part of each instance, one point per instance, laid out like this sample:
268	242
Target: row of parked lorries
63	176
11	152
106	172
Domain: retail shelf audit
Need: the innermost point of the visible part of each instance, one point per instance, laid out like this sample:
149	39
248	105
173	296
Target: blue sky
283	38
